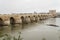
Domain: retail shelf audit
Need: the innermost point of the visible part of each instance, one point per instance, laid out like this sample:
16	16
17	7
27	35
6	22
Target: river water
35	31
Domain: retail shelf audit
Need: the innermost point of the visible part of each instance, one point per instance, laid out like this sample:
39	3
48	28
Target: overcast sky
18	6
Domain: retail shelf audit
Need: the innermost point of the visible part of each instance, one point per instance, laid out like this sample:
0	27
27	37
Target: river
35	31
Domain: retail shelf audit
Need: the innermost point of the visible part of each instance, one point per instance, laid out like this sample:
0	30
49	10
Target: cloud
12	6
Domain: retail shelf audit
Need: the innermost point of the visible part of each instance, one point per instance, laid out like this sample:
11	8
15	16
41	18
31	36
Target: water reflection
50	21
1	30
30	29
12	27
16	27
12	21
23	25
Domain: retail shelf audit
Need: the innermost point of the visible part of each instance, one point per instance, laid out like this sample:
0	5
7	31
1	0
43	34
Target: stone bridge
25	17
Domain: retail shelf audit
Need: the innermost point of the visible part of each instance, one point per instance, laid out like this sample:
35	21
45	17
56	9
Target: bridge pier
36	18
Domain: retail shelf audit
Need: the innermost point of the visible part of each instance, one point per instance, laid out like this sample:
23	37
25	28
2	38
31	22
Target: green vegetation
9	37
43	39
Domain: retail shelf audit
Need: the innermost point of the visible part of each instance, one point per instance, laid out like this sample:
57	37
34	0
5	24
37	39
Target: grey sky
18	6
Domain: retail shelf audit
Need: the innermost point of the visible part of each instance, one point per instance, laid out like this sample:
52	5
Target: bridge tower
52	13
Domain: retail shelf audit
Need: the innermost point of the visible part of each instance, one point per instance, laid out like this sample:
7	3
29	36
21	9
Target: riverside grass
9	37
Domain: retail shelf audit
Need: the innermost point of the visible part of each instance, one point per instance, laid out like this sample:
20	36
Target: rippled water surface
35	31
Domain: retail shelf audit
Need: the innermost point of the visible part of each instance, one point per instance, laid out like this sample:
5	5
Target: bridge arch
1	21
29	16
12	20
33	15
22	19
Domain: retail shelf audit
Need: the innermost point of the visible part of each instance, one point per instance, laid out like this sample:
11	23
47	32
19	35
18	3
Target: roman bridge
25	17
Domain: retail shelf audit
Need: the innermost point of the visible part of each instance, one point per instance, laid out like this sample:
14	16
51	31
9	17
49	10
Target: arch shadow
12	21
1	22
22	18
